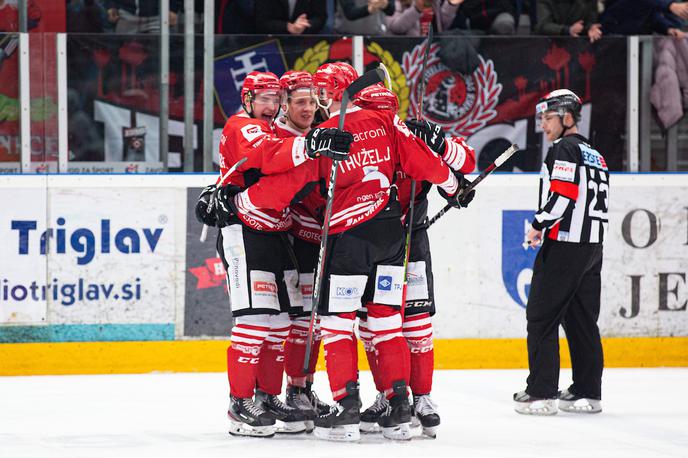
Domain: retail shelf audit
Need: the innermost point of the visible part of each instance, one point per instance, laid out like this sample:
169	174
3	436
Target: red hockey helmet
377	97
293	80
259	82
332	79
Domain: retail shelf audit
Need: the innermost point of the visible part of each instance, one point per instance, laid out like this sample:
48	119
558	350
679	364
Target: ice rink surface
183	415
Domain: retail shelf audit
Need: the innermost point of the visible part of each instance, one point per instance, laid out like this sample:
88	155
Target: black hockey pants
565	290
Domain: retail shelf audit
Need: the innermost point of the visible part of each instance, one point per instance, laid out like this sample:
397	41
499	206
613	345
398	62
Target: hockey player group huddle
270	213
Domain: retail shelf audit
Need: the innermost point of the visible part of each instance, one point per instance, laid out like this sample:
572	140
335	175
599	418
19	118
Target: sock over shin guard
340	351
393	358
295	351
367	340
243	355
417	330
271	363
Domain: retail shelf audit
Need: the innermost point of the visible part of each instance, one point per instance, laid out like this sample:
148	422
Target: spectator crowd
579	18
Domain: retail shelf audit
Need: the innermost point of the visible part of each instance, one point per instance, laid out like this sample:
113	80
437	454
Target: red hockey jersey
382	143
242	137
457	155
306	215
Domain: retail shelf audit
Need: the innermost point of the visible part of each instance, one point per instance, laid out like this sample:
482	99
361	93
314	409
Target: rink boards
105	273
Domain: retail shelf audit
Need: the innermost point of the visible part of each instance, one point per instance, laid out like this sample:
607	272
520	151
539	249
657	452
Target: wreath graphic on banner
317	55
461	104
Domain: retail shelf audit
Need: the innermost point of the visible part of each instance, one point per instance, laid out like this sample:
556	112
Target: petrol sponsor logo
517	261
564	171
265	288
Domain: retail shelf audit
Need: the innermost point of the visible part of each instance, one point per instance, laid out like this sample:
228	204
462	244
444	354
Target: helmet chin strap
564	127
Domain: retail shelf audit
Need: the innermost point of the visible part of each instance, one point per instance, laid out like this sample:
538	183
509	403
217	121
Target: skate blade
244	430
415	422
369	428
291	427
400	432
539	407
343	433
430	431
309	426
581	406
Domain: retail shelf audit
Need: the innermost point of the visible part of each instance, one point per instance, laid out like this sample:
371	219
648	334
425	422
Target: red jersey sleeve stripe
565	189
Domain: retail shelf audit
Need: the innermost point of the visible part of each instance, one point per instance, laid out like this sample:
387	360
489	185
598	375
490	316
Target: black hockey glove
204	213
460	199
222	203
329	142
431	133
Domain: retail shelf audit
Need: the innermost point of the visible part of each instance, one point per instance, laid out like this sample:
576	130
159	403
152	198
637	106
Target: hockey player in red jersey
254	249
299	105
365	253
420	306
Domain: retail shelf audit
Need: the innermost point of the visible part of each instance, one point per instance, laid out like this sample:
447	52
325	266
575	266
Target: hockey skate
248	419
525	404
298	398
342	420
370	416
569	402
426	415
289	420
320	407
395	422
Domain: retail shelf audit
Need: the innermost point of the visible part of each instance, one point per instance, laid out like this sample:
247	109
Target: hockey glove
204	213
329	142
431	133
460	199
222	202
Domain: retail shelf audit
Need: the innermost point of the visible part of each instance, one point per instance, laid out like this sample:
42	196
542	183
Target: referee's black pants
565	290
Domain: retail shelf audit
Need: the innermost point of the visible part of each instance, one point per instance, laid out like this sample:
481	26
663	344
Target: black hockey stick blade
374	76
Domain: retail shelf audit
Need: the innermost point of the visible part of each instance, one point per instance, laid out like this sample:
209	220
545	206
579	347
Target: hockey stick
368	79
497	163
412	199
204	231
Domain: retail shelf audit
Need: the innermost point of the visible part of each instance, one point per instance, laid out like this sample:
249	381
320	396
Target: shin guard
340	351
393	358
417	330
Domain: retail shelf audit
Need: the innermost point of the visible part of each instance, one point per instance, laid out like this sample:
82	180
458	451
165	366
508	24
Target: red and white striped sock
417	330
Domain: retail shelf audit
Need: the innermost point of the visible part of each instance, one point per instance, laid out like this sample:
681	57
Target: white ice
169	415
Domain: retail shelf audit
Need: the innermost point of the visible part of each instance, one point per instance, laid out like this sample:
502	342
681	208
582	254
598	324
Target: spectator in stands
496	17
137	16
669	93
86	16
235	16
293	16
643	17
412	17
568	17
362	17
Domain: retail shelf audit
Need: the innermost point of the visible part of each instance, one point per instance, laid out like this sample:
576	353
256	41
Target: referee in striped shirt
570	224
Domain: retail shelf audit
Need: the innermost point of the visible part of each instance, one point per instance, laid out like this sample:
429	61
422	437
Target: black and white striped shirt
574	192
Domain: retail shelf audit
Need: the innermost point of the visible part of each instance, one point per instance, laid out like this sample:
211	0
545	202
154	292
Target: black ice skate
248	419
320	407
297	397
289	419
569	402
425	411
526	404
395	422
372	414
341	422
